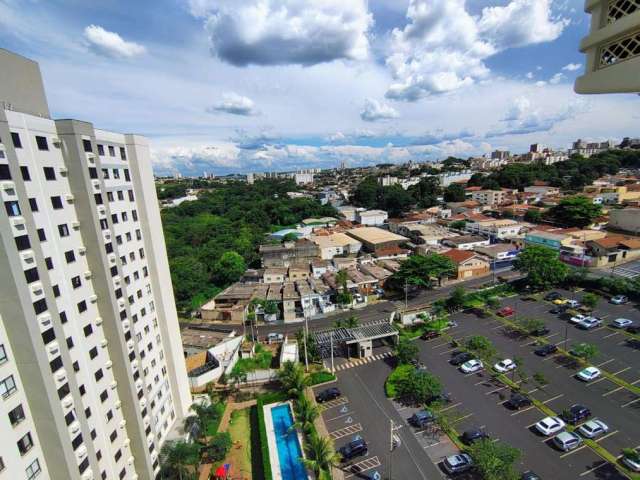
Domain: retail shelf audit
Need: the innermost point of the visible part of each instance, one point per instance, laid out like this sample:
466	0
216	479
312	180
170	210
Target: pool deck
271	438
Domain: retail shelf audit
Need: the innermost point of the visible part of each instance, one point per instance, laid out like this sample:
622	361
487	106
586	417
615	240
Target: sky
236	86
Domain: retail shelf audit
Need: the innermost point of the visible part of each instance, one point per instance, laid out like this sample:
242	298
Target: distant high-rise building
92	373
500	155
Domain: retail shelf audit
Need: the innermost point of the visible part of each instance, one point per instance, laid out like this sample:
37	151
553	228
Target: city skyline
279	85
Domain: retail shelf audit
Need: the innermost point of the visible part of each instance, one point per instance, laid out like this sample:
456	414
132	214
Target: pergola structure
343	340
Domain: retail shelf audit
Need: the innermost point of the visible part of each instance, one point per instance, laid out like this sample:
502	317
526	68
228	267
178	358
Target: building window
22	242
56	291
130	192
63	317
101	150
114	218
105	173
93	173
3	355
5	174
104	224
25	444
98	375
69	343
113	436
76	282
24	171
120	195
82	306
76	442
48	336
116	173
1	464
55	365
98	198
69	256
13	208
103	396
86	144
63	230
7	386
33	470
56	203
112	151
123	153
63	391
41	235
40	306
127	176
93	353
42	143
33	204
17	143
49	263
49	173
84	465
88	330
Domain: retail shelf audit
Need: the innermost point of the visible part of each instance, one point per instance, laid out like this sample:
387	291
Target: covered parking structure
355	342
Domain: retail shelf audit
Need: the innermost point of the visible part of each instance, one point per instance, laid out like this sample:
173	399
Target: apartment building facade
93	369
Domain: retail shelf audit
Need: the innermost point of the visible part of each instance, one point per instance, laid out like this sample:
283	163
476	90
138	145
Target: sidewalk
229	409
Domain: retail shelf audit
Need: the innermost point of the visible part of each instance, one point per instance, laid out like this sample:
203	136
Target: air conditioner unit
118	404
45	321
126	443
53	349
91	156
93	298
101	209
56	141
123	423
87	274
63	171
81	452
113	385
75	225
104	342
82	250
69	197
74	427
27	256
108	364
17	222
67	402
98	320
7	185
61	376
130	460
121	303
36	288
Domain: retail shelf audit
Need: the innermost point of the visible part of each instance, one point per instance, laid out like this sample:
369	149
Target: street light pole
392	429
332	368
306	334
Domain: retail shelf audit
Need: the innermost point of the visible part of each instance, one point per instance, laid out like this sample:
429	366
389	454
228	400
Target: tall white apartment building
92	374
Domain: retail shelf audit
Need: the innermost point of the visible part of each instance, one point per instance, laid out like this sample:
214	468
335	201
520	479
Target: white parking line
611	335
633	383
552	335
573	451
598	329
630	403
448	351
610	434
459	419
612	391
451	406
441	345
591	470
623	370
605	362
602	379
553	398
550	358
524	410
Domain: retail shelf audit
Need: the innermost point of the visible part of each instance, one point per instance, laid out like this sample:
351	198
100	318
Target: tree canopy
542	266
495	460
421	270
578	211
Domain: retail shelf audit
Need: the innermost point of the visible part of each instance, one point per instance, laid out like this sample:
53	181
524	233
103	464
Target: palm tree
293	379
320	455
341	279
179	460
206	415
306	414
352	322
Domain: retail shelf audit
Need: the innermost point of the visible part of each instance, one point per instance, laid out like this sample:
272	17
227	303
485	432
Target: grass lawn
240	454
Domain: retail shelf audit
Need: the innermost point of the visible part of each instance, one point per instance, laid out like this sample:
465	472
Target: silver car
566	441
593	429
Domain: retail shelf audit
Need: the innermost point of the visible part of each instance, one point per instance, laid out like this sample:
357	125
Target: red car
506	312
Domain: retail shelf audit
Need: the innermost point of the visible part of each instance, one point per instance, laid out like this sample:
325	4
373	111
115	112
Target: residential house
298	273
371	217
626	219
468	264
500	252
465	242
336	244
495	229
374	239
300	252
614	249
490	197
274	275
319	267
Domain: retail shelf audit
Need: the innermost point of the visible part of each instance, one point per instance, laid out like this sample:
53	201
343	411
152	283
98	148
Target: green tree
454	193
578	211
290	237
187	275
540	379
320	455
219	446
590	300
542	266
179	460
366	193
586	351
458	224
352	322
533	216
419	386
530	325
481	346
456	299
406	351
306	413
422	270
293	379
229	268
395	200
493	302
426	192
495	460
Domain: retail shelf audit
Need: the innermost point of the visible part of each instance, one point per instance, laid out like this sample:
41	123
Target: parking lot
480	401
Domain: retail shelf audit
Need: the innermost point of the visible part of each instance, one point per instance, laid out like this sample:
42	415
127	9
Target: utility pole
392	428
332	369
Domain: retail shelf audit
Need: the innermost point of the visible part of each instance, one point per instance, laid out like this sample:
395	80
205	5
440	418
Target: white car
593	428
458	463
632	463
505	365
471	366
621	323
588	374
550	425
619	300
578	318
572	303
589	323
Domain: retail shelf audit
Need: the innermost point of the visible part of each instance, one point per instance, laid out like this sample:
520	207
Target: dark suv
551	296
471	436
575	414
422	418
546	350
518	401
354	448
460	357
328	394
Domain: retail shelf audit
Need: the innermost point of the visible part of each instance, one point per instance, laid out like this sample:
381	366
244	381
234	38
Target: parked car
573	303
354	448
621	323
551	296
560	301
566	441
589	374
275	337
550	425
545	350
577	318
328	394
429	335
575	414
558	309
589	323
460	357
505	365
471	436
619	300
593	429
632	462
634	329
459	463
472	366
422	418
518	401
529	475
506	311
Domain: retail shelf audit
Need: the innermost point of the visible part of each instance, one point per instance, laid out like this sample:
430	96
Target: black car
540	332
575	413
460	357
633	329
422	418
518	401
471	436
551	296
328	394
558	309
545	350
429	335
529	475
354	448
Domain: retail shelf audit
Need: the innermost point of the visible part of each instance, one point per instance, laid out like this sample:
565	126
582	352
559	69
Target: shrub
219	446
264	445
399	374
321	377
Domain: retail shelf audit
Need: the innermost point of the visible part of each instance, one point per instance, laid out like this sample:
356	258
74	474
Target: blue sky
225	86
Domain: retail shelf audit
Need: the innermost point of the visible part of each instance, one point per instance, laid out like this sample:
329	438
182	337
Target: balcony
612	48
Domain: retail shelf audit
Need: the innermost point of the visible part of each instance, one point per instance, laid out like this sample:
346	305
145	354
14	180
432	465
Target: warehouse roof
375	235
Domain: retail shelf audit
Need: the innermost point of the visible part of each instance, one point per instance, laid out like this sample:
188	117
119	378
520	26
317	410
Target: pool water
289	451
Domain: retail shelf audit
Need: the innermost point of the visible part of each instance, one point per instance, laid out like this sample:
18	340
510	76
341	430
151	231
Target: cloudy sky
226	86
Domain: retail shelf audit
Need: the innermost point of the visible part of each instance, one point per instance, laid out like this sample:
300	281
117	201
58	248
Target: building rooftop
459	256
375	235
463	239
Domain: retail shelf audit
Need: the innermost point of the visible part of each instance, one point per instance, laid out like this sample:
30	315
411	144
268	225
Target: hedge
264	443
321	377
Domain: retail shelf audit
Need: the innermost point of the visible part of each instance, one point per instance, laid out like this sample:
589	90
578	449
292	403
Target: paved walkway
359	361
230	408
321	428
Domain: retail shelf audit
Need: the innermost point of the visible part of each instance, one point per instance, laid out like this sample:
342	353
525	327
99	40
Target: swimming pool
287	444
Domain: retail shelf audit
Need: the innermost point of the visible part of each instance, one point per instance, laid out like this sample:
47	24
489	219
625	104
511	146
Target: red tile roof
459	256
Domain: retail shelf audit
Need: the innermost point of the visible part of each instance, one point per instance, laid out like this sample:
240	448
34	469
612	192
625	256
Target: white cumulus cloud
234	104
281	32
572	67
374	110
110	44
443	47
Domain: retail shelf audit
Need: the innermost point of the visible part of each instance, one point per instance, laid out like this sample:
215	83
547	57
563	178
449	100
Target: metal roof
346	336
